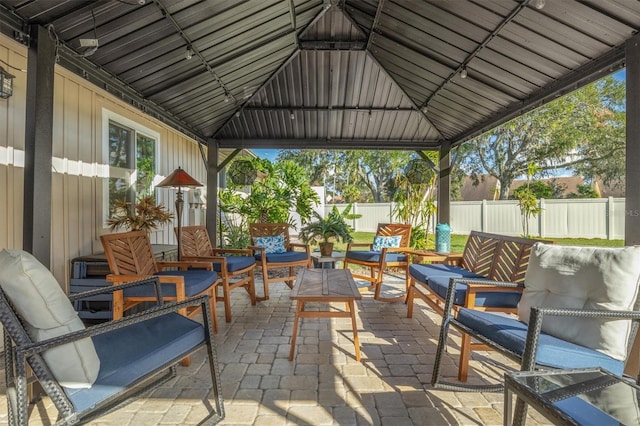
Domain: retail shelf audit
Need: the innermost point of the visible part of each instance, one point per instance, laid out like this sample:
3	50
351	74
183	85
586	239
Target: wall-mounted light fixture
6	84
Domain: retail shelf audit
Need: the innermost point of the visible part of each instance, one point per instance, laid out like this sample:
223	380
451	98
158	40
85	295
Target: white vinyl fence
563	218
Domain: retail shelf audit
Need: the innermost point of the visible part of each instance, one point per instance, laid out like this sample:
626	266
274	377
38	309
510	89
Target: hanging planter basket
242	172
418	171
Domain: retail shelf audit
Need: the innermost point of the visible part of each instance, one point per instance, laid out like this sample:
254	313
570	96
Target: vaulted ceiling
340	74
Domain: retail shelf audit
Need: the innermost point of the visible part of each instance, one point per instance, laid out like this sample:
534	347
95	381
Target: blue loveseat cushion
552	352
127	354
289	256
235	263
195	281
423	273
374	256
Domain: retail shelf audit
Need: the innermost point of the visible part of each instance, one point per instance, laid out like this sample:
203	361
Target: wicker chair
230	264
88	372
579	309
377	259
284	254
131	258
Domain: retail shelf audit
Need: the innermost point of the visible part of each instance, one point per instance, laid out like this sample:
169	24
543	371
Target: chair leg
251	287
409	301
465	352
226	299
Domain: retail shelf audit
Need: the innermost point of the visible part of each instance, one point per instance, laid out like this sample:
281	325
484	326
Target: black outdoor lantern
6	84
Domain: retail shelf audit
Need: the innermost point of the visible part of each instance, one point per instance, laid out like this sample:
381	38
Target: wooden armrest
454	258
183	266
246	252
256	248
119	279
350	245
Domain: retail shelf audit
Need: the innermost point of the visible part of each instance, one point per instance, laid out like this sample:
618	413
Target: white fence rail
564	218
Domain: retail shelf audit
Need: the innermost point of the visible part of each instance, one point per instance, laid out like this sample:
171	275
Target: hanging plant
418	171
242	172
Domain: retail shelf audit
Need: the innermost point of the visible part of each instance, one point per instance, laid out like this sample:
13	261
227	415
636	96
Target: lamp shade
179	179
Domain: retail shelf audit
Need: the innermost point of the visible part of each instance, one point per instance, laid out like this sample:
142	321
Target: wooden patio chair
388	249
273	248
131	258
88	372
235	266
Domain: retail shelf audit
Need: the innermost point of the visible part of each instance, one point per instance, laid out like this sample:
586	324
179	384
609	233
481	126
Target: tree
355	176
583	131
527	200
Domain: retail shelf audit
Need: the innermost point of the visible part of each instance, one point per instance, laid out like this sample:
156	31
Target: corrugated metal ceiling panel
321	60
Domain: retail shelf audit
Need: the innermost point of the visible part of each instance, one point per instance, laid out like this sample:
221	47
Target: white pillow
40	301
583	278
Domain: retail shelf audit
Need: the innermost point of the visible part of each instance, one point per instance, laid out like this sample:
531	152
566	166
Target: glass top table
575	397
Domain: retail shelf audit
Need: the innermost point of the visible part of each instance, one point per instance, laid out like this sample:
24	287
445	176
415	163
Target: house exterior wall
79	169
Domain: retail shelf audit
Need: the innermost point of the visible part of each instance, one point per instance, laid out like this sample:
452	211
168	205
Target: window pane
120	162
145	164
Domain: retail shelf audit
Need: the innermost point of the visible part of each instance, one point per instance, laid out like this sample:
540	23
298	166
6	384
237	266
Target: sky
271	154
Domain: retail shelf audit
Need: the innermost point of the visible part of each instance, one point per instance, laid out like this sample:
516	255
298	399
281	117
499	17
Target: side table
590	396
327	262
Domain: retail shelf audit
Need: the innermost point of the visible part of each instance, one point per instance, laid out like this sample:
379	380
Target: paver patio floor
324	385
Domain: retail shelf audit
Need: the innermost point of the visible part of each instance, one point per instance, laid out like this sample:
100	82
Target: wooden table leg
351	308
294	335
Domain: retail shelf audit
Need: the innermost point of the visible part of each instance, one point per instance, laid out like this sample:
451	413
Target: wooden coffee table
326	286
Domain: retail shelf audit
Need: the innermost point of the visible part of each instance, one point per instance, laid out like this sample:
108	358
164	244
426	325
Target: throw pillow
40	301
583	278
380	242
273	244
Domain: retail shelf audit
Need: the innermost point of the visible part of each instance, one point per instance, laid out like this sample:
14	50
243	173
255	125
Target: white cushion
40	301
583	278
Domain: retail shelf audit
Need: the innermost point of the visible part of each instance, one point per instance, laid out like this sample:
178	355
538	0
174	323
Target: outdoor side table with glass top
590	396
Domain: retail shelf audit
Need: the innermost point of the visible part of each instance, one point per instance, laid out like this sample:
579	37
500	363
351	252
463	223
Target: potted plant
325	231
145	214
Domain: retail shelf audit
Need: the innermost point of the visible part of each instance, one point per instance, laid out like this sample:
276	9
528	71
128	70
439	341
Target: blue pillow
274	244
380	242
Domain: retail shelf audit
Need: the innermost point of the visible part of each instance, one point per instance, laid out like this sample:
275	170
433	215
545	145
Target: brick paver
324	385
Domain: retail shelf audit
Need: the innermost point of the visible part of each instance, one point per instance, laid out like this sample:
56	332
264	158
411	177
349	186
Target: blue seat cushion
552	351
129	353
503	299
235	263
289	256
195	282
374	256
422	273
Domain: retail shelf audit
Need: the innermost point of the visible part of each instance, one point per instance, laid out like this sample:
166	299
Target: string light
463	73
188	54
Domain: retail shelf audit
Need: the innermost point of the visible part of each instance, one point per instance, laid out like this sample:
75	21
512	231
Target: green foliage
584	191
583	131
527	201
332	228
415	203
278	190
144	215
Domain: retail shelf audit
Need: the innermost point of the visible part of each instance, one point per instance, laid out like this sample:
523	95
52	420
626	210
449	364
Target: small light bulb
370	116
188	54
226	97
292	116
237	113
463	73
538	4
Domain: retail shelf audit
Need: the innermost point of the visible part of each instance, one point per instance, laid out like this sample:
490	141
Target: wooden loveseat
495	257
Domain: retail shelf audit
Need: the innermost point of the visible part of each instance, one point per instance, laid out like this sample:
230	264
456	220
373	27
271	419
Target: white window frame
108	116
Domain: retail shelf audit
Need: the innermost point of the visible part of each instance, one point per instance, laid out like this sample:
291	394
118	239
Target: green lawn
458	241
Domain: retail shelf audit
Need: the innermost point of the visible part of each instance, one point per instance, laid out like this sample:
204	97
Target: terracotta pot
326	249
